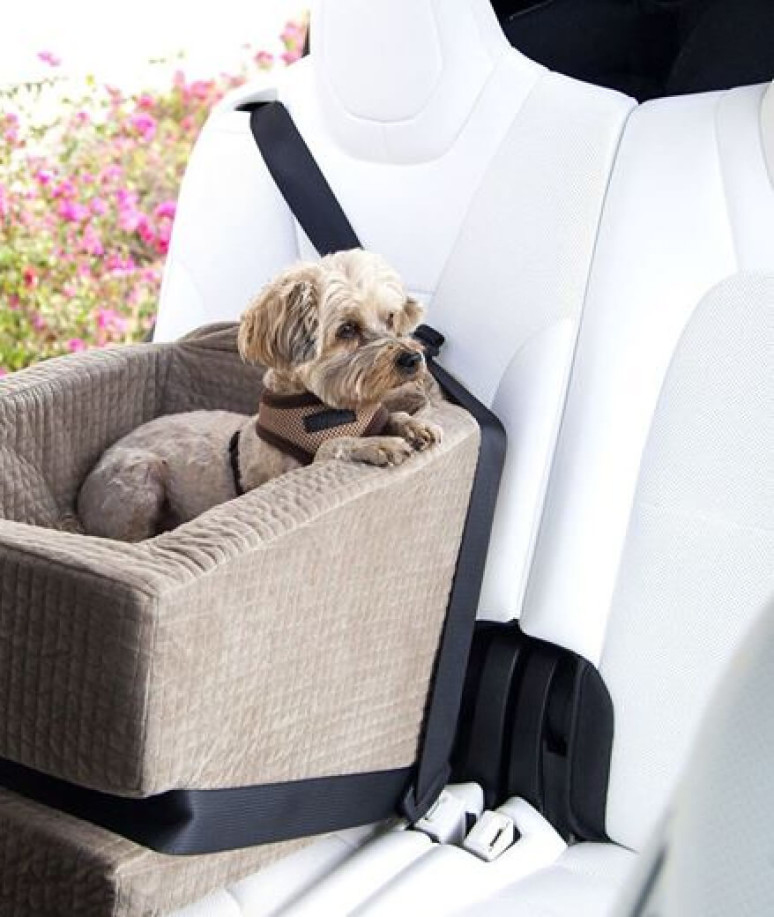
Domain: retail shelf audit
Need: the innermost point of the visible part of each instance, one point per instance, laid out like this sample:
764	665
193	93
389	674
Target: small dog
343	379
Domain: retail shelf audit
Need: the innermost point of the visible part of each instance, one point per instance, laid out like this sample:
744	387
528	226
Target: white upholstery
668	235
271	891
699	556
396	80
585	881
477	173
713	856
445	878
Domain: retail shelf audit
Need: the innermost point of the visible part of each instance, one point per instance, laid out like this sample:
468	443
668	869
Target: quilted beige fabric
288	634
54	865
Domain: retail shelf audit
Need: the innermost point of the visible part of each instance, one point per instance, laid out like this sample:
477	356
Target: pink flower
111	173
144	124
44	177
264	60
293	33
72	212
162	238
30	277
118	265
65	189
110	320
91	242
49	58
5	207
98	206
144	230
146	102
38	322
126	199
166	209
76	345
82	117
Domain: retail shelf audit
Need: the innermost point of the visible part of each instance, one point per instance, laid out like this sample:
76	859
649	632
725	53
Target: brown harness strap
299	424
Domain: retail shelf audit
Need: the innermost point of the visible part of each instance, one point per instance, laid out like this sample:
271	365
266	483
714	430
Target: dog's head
338	327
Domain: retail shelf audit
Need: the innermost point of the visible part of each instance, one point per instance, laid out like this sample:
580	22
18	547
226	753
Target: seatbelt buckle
491	836
454	812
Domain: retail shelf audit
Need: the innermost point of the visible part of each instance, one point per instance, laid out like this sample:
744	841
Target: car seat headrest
397	79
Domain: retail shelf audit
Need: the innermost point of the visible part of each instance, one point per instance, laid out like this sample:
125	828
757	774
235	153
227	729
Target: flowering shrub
87	203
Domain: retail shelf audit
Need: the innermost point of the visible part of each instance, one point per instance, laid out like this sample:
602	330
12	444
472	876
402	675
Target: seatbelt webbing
313	203
298	177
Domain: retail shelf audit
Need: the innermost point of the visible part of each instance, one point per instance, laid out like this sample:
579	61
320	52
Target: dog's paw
373	450
420	434
381	451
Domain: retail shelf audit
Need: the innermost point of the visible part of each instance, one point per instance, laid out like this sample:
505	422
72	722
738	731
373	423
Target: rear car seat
482	177
690	204
655	551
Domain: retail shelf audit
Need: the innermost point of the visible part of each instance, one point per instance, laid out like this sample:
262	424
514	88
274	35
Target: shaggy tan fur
337	328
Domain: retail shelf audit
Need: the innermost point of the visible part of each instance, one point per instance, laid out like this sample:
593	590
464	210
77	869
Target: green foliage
88	186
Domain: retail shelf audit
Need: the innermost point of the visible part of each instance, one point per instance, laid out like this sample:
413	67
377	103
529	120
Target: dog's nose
408	362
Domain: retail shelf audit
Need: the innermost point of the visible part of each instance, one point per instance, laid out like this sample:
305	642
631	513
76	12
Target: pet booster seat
256	675
286	664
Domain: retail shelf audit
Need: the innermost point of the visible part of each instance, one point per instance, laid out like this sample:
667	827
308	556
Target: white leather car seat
656	550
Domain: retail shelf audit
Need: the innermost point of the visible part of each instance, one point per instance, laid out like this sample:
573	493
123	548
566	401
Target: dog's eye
347	331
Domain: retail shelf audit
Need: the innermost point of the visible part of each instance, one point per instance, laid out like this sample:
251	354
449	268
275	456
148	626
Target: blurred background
99	109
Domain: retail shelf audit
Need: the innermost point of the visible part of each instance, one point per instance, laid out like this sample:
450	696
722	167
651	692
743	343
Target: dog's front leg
372	450
419	434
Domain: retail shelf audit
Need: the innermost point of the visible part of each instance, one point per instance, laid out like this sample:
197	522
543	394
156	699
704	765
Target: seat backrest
656	547
477	173
691	202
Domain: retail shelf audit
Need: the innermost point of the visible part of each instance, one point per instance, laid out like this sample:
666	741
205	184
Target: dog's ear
279	329
408	317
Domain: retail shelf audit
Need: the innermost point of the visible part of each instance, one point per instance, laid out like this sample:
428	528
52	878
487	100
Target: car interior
581	193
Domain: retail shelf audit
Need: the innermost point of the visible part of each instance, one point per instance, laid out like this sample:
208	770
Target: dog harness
299	424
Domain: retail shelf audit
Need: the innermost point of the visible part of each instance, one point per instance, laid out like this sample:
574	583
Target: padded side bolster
53	864
285	635
58	417
206	372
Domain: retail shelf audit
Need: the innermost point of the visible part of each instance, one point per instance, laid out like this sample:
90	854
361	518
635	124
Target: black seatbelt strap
297	175
313	203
